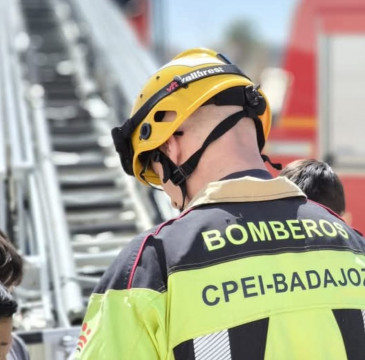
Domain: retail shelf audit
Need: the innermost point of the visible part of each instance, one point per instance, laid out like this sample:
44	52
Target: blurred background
253	33
69	72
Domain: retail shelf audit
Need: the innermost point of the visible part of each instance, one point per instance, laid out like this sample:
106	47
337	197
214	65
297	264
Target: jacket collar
246	186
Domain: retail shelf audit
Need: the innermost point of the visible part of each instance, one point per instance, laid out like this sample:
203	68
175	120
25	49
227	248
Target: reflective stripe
213	346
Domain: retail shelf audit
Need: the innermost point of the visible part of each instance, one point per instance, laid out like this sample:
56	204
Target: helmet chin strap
179	174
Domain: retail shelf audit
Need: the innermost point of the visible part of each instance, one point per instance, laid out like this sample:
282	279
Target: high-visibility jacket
251	270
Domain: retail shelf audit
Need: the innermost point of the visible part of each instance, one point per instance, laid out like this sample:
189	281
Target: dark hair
8	305
11	263
318	181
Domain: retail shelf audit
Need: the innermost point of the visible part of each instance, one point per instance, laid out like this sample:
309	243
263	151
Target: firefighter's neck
235	151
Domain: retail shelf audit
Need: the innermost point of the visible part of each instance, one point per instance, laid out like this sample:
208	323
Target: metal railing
35	204
3	161
17	165
68	293
129	63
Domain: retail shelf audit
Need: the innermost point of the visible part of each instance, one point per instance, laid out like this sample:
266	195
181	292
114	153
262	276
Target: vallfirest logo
195	75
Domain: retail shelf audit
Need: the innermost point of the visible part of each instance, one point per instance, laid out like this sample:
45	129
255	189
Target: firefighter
249	269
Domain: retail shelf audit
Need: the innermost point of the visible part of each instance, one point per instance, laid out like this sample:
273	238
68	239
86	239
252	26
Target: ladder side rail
3	143
20	151
39	222
129	62
59	239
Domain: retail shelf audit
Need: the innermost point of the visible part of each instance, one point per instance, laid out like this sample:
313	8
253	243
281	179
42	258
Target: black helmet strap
179	174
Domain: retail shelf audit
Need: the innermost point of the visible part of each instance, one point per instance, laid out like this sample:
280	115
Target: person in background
8	307
11	263
318	181
11	273
250	269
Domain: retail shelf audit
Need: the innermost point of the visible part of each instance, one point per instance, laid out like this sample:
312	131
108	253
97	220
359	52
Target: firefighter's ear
172	149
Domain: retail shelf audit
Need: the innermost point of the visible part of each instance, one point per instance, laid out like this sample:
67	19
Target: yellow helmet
188	81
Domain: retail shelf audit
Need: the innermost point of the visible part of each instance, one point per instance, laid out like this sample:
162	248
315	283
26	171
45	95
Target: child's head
318	181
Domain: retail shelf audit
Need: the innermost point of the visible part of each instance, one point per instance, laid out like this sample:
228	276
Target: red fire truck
323	114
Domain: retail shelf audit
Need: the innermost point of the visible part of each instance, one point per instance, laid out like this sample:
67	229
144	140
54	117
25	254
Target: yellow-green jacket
252	270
